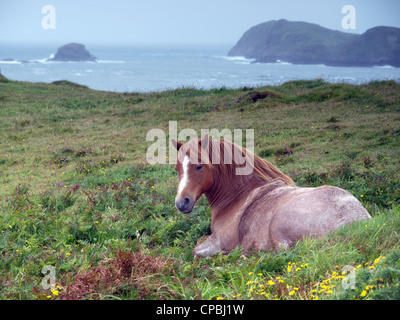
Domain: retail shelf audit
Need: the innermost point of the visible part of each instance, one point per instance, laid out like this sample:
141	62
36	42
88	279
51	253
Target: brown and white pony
262	210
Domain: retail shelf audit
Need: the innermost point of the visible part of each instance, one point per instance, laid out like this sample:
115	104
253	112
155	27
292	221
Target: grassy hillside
77	193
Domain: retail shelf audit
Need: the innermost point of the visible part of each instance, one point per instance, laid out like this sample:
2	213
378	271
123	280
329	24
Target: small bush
135	275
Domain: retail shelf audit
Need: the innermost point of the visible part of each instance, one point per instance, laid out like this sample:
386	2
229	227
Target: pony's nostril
186	201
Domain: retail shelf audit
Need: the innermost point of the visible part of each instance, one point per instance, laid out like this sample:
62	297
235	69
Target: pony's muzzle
184	205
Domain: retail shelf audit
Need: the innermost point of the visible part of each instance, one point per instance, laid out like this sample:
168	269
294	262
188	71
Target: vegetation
76	192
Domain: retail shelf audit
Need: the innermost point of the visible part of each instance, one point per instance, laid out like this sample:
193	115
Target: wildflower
363	294
250	273
271	283
376	261
220	298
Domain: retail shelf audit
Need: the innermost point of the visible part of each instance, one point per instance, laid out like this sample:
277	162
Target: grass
77	193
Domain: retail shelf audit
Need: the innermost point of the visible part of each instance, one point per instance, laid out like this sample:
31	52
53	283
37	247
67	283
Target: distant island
73	52
307	43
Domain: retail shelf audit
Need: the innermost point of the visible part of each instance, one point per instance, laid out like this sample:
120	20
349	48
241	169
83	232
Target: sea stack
73	52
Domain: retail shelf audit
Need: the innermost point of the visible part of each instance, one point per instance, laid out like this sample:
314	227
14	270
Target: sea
154	68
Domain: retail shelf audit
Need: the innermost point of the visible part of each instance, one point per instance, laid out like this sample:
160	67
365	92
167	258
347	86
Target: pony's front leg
208	248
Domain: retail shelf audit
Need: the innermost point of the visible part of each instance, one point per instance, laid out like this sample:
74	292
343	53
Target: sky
172	22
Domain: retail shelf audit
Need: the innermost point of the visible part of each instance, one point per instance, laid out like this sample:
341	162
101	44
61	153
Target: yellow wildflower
363	294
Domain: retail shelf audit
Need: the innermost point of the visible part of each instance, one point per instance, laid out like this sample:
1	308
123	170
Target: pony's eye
199	167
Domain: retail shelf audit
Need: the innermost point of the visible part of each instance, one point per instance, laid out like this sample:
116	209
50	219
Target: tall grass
77	193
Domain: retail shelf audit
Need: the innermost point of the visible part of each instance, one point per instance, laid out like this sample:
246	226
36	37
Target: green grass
77	193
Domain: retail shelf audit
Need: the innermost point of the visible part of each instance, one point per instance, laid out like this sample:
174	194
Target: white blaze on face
185	178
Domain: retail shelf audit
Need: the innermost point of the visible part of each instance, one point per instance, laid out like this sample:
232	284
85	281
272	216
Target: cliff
307	43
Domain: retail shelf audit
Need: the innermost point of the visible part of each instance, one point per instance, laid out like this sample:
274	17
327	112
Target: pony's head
195	173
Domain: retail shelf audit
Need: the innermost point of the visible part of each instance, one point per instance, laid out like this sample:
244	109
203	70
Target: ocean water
158	68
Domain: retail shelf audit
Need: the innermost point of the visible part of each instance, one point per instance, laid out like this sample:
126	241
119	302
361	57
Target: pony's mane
262	169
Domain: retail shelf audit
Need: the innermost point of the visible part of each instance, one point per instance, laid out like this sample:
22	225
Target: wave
237	59
10	61
47	60
385	67
110	61
244	60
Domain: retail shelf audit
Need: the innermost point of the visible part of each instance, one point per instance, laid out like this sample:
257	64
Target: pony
260	210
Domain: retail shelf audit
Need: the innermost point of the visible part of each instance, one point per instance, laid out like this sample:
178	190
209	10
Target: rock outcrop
73	52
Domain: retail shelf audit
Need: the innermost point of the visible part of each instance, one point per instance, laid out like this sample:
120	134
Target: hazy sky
176	21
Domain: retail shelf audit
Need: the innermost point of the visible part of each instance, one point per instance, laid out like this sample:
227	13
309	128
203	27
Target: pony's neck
223	195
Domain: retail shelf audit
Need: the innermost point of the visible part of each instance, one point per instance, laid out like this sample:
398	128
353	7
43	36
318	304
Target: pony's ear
204	142
176	144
